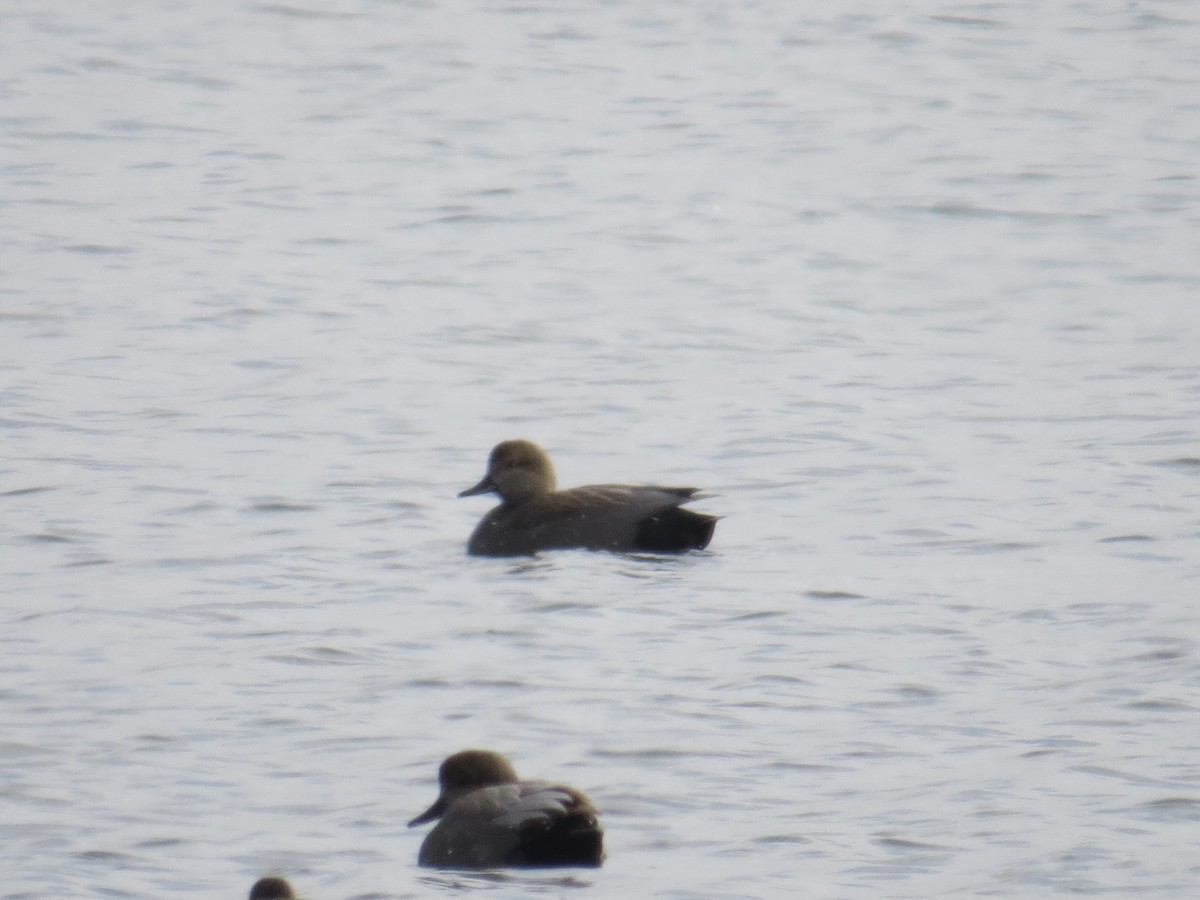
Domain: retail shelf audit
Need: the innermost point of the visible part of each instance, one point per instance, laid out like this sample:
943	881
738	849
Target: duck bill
430	814
484	487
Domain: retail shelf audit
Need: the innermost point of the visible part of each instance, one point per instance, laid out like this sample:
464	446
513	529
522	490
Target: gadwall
533	516
490	818
271	888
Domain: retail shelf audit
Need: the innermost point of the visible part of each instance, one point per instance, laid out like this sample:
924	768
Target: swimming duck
533	516
271	888
488	818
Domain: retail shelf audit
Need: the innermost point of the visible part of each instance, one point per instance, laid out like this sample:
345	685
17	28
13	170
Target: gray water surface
911	291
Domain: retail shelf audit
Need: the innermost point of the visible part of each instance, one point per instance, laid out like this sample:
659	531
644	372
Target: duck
487	817
271	888
534	516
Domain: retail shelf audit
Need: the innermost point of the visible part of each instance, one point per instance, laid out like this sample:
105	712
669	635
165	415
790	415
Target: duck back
532	824
615	517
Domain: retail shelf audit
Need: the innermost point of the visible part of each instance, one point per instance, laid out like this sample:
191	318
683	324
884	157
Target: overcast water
910	290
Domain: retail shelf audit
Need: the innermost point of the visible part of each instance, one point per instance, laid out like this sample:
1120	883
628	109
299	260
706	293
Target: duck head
466	771
517	470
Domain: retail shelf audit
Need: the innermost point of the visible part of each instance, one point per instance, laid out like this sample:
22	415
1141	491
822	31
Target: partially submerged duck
271	888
